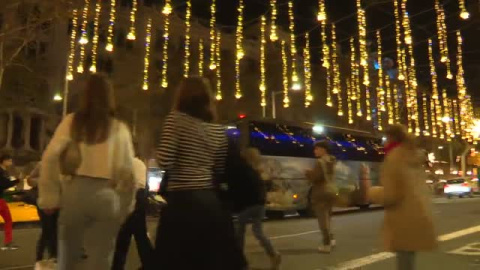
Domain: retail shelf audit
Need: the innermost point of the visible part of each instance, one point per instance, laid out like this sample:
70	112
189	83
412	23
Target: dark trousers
48	235
254	214
135	225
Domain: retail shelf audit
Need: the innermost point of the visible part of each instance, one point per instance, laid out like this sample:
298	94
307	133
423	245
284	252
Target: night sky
379	16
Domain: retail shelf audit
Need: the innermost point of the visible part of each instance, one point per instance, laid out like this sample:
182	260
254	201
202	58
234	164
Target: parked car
460	187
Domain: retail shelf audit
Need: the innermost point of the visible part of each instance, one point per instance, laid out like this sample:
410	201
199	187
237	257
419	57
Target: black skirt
196	232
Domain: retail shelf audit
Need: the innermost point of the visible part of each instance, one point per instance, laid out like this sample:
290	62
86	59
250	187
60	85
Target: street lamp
57	97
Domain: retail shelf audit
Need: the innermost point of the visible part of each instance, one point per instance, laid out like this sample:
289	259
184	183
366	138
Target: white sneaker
45	265
325	249
333	243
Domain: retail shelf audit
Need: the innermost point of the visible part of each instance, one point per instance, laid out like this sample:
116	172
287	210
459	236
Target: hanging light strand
456	116
93	66
398	40
443	38
337	86
218	70
381	108
73	41
293	47
464	14
263	86
349	101
213	17
273	20
425	115
146	59
286	99
111	23
188	27
308	73
201	57
446	115
391	101
462	89
239	49
133	13
355	78
166	11
434	100
362	30
83	37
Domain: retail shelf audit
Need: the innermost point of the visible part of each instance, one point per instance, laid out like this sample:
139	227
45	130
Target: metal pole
65	97
450	152
464	162
264	111
274	108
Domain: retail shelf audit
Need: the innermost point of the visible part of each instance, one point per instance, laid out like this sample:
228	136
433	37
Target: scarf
389	147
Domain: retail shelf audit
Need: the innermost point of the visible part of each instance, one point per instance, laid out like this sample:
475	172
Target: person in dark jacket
6	182
48	234
251	206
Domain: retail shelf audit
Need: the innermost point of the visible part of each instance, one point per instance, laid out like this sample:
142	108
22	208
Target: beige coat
322	179
408	224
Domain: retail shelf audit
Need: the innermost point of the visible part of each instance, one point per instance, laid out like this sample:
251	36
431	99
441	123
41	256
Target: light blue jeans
90	216
254	214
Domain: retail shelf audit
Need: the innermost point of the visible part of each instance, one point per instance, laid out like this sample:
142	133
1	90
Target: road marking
18	267
472	249
293	235
367	260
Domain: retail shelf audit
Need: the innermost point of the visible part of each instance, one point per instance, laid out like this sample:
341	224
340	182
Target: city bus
287	153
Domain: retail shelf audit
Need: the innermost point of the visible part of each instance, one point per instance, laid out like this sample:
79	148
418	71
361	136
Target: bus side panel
290	186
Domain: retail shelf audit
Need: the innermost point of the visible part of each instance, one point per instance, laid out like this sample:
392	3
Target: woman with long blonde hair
99	194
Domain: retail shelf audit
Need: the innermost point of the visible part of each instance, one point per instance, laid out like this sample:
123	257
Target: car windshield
456	181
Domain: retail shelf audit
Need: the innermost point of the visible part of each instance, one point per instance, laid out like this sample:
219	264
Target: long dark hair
194	97
92	121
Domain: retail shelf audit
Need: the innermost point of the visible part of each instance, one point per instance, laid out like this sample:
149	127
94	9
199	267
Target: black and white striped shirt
191	151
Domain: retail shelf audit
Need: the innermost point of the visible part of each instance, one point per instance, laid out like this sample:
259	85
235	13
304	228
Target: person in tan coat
323	192
408	225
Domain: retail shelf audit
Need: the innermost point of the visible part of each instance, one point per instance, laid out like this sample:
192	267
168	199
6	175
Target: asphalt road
357	234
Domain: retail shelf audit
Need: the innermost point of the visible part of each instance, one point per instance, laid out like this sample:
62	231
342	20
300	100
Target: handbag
70	158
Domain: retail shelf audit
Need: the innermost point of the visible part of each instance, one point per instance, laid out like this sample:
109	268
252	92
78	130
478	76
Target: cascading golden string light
433	114
442	37
83	37
286	99
396	104
200	57
355	78
322	14
425	115
381	108
436	121
73	41
188	27
456	116
263	82
462	89
398	39
446	115
239	49
337	86
213	18
390	101
308	73
349	101
93	66
464	14
362	30
273	20
166	11
218	70
133	13
109	46
146	59
415	112
293	47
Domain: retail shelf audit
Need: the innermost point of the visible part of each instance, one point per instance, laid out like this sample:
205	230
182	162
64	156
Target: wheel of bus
274	214
307	212
364	206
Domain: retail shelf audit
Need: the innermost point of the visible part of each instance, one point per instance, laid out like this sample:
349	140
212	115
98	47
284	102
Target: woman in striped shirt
195	231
